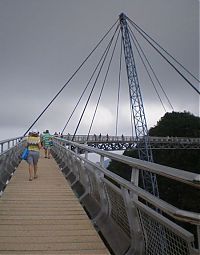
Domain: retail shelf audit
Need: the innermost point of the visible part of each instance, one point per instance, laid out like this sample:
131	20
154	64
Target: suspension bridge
96	211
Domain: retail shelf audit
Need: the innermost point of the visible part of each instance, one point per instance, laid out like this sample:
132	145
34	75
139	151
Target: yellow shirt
33	143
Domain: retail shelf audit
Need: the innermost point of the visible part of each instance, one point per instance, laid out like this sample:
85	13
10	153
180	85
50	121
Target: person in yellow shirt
34	146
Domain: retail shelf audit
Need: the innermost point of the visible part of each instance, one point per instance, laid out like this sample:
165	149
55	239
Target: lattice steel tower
145	153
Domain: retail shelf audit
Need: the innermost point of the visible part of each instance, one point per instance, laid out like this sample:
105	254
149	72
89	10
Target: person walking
46	140
34	146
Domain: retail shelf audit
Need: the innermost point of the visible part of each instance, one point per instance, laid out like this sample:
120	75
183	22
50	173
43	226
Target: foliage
122	169
178	124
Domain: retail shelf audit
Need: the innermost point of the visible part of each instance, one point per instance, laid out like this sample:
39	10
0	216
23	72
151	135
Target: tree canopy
176	124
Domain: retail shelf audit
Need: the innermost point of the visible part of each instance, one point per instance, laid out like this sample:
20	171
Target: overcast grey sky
42	42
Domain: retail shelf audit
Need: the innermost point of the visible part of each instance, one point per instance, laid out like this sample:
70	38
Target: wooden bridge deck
43	216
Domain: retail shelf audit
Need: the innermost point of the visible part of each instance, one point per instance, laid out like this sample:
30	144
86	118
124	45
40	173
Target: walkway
44	216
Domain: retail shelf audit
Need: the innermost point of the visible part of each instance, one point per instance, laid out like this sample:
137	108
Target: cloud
43	43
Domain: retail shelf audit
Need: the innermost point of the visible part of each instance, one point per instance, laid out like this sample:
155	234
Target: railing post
137	242
135	181
104	213
102	160
135	176
198	236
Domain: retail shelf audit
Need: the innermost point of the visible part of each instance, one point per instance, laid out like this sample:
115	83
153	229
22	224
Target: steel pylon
149	180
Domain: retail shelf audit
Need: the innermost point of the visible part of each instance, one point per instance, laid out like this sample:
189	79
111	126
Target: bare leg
35	171
30	172
48	153
45	152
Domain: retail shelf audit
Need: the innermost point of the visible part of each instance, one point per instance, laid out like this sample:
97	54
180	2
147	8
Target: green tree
180	124
177	124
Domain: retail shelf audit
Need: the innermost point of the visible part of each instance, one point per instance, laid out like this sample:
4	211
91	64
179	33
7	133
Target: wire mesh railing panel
118	210
74	166
83	174
9	160
93	183
161	240
123	208
70	162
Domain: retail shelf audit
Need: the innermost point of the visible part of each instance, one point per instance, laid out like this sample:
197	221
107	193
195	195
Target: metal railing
111	138
10	157
108	142
121	210
9	143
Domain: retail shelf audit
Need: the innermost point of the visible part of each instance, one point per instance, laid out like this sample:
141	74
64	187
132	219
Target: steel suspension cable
70	78
94	84
85	88
148	62
183	76
137	46
103	86
163	49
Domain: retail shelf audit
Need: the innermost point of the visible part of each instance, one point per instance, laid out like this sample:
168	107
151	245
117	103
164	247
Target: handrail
177	213
6	144
192	179
125	209
104	138
10	157
11	139
111	143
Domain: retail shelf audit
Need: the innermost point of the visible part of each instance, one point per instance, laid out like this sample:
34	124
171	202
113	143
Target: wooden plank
43	216
20	240
30	233
69	252
51	246
67	228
